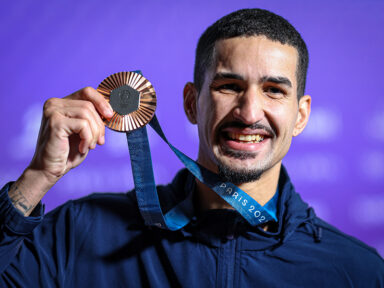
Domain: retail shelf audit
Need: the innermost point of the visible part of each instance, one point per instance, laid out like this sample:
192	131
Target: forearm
33	251
28	190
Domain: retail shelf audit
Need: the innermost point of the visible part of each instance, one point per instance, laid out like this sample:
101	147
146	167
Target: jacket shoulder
341	238
121	205
354	254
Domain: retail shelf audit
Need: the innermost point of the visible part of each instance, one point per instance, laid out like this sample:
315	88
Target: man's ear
303	114
190	101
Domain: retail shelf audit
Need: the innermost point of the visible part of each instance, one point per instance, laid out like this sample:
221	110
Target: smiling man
248	107
248	102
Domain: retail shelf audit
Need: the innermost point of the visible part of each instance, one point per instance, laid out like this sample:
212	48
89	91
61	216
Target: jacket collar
214	227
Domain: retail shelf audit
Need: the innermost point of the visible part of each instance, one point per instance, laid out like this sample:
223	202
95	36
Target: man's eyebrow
225	75
277	80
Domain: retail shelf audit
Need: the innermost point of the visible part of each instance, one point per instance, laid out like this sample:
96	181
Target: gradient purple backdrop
53	48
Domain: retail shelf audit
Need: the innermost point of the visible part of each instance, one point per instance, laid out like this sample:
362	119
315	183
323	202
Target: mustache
254	126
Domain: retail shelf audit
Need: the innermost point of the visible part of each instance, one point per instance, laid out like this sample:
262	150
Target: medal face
132	98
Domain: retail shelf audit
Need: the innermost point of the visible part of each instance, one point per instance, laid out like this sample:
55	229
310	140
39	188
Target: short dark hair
250	22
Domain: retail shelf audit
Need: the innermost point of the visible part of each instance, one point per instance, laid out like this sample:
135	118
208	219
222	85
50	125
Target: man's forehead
256	56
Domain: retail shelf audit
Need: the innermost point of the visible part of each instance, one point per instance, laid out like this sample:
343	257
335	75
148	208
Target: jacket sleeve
33	252
14	227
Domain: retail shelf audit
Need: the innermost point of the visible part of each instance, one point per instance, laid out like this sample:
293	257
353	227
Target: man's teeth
255	138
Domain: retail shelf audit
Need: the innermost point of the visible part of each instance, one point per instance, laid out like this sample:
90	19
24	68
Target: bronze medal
133	99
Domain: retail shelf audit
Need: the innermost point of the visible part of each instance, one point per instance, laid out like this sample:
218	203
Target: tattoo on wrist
18	200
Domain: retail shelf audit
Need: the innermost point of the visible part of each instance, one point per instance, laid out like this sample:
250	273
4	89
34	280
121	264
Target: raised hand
70	127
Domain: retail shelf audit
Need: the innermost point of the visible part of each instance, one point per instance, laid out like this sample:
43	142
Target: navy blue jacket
100	241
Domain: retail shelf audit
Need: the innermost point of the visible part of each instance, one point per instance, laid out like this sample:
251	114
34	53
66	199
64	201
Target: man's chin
238	166
239	176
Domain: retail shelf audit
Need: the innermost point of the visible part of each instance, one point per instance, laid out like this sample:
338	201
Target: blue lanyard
181	214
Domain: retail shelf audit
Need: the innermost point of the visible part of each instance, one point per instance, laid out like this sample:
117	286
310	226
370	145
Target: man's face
247	110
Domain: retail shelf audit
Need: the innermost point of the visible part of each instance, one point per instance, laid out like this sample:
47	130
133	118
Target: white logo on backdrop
375	127
323	125
372	209
372	165
314	167
23	145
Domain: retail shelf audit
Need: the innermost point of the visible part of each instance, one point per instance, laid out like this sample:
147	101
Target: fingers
63	109
63	127
69	128
94	122
81	109
82	128
97	99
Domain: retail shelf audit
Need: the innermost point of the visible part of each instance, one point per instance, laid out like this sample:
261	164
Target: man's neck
261	190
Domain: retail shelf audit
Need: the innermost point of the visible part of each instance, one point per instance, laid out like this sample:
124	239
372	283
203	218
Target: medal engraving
124	100
133	99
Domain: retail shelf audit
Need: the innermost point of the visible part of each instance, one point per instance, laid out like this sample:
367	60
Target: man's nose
249	109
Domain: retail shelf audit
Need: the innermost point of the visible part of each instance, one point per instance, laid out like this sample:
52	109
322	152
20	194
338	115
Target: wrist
29	189
44	180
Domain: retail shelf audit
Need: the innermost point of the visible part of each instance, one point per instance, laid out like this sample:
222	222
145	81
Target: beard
238	176
243	175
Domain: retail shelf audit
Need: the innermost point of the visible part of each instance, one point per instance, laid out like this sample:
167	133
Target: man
248	102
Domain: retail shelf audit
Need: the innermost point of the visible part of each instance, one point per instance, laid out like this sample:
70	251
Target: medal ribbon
180	215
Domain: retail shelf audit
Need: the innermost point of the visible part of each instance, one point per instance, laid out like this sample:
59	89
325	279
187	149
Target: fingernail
101	140
109	111
83	150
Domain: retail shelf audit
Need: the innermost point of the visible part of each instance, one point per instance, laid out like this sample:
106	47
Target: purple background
53	48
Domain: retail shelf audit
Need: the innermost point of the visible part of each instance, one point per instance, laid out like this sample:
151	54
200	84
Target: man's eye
229	87
274	90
